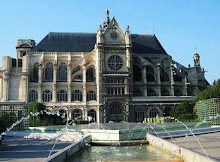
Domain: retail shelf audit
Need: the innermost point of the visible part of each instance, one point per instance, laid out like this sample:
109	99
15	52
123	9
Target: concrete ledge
69	151
178	151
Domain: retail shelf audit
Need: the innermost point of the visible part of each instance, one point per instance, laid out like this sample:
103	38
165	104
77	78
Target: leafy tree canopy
213	92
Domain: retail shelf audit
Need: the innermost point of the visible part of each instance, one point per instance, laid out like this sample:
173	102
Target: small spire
127	32
107	20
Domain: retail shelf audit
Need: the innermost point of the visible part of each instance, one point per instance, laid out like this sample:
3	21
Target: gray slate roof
85	42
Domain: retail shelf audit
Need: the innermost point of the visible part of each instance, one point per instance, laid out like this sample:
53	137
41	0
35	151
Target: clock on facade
115	62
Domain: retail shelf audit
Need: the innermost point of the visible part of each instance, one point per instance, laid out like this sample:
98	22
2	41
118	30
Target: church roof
85	42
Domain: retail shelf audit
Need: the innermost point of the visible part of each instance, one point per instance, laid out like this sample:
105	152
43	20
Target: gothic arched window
62	96
153	112
90	77
137	73
115	108
151	92
92	113
139	114
165	92
77	113
149	69
137	92
91	95
150	74
76	95
33	96
163	75
177	92
47	96
49	72
62	72
150	78
35	72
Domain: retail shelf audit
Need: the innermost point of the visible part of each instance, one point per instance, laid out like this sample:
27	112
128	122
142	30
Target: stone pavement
210	142
19	149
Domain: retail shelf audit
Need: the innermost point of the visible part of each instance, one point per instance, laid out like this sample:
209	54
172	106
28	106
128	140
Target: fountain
111	134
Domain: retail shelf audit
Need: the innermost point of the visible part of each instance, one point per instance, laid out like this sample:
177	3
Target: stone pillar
126	85
69	92
128	55
98	114
159	90
54	73
54	99
5	87
185	87
144	77
69	79
172	90
171	75
171	80
24	96
40	73
85	113
39	93
145	90
126	111
84	83
158	74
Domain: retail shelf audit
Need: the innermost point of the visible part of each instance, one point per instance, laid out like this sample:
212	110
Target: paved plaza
210	142
19	149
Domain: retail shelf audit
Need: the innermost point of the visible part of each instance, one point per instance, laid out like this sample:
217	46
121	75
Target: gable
113	34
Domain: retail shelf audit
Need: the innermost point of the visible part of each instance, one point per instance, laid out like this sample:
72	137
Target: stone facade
110	75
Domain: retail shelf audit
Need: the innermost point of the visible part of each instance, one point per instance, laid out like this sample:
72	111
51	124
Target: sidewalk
19	149
210	142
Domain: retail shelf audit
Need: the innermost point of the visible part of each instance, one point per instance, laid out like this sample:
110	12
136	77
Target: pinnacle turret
107	19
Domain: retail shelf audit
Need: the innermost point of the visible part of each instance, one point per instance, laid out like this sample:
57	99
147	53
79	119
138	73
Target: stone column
40	74
144	77
69	92
158	74
171	75
54	99
84	83
98	114
145	90
159	90
24	97
128	55
126	111
5	87
85	113
54	73
185	87
171	80
39	93
69	79
126	85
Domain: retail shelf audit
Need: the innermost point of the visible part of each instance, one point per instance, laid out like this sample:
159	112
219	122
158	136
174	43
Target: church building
111	75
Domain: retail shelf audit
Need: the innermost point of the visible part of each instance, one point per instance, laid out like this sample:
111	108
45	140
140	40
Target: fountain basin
117	131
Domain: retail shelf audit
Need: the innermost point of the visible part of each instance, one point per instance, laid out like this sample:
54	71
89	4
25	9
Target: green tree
42	119
213	92
184	111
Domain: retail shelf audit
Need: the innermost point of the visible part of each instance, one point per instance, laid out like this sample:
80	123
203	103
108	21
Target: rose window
115	62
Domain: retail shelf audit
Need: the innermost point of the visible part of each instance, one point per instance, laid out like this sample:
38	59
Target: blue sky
180	25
